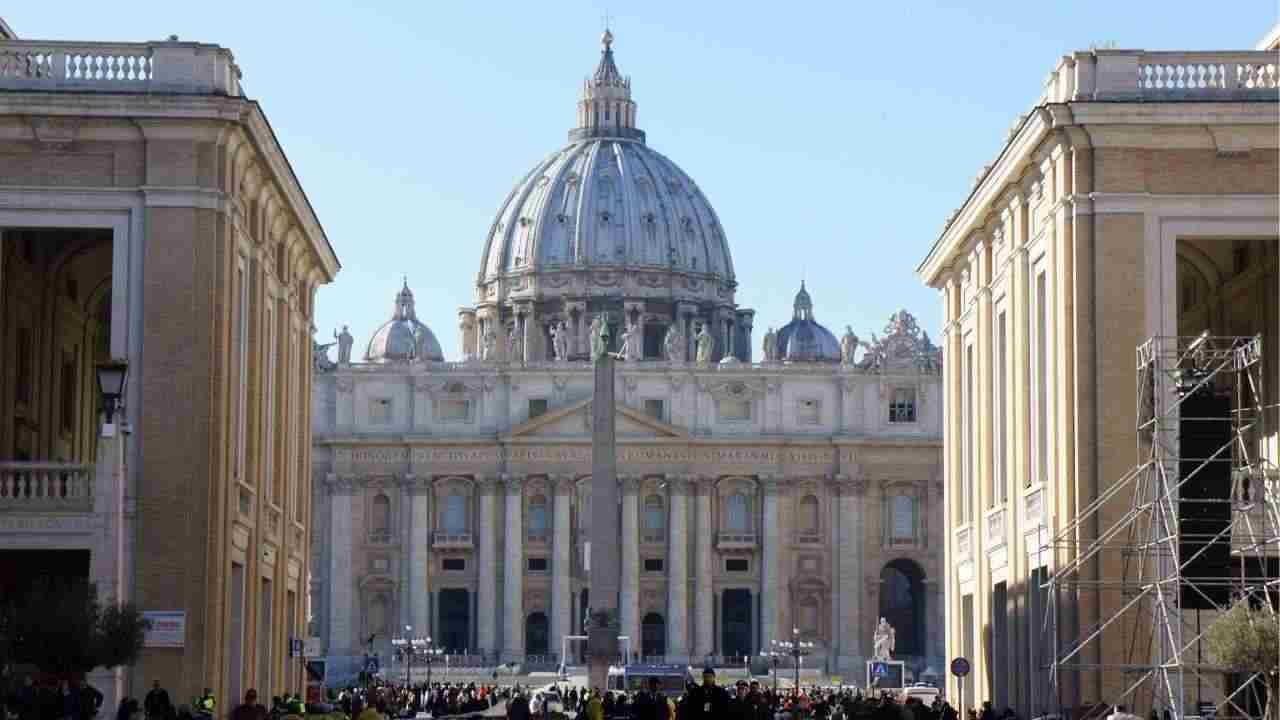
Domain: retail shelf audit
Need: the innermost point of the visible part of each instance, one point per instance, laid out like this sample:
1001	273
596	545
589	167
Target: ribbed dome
805	339
606	201
403	338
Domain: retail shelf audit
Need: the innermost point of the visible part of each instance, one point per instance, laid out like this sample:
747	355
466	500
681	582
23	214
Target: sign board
885	674
960	667
168	628
837	681
312	647
1207	709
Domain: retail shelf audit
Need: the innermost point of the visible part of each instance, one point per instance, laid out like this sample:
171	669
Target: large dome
606	202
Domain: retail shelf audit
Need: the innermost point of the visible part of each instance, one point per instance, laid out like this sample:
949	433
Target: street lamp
111	380
773	656
406	647
430	653
795	648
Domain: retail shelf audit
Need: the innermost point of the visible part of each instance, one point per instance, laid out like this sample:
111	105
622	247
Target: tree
61	627
1247	639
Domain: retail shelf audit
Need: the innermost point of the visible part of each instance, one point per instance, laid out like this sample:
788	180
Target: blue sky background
833	139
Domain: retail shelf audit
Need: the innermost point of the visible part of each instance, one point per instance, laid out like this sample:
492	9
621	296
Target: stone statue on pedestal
673	343
771	346
848	346
345	341
515	348
560	340
599	338
629	343
320	356
705	344
885	639
488	343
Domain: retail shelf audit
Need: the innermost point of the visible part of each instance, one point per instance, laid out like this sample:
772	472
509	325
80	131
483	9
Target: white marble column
849	568
561	562
769	564
629	602
487	573
704	588
513	573
419	554
341	581
678	571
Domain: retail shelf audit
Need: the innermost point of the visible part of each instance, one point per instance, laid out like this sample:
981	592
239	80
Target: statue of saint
771	346
673	343
560	340
488	344
848	346
515	348
705	344
345	341
629	343
320	356
599	338
885	639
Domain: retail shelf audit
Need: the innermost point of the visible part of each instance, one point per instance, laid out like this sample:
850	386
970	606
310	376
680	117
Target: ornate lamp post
794	648
773	656
406	647
430	654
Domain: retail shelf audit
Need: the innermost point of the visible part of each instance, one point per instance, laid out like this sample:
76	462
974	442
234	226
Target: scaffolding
1133	561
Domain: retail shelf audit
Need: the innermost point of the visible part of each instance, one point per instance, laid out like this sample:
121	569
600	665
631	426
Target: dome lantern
605	108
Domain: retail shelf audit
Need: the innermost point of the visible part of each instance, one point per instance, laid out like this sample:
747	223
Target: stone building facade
148	215
1139	198
798	493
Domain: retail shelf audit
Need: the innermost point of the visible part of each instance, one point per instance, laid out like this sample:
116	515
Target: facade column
849	549
684	315
678	571
769	565
487	573
704	590
513	573
629	604
419	554
530	339
561	554
341	582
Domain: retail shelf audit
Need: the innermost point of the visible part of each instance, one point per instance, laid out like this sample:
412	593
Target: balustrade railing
1146	75
733	539
174	66
451	539
964	543
42	486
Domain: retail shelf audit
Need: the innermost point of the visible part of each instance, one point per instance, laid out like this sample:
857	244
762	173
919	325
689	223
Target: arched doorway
902	604
454	626
536	634
735	624
653	635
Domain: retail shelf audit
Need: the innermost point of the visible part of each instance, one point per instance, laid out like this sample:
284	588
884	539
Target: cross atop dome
605	108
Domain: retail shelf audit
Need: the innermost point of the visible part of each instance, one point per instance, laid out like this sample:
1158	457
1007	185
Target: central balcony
39	487
451	540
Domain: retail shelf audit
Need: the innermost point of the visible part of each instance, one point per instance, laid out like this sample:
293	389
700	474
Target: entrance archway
736	624
536	633
902	604
653	635
454	627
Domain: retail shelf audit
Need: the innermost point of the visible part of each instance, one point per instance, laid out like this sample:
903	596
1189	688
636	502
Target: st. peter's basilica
797	492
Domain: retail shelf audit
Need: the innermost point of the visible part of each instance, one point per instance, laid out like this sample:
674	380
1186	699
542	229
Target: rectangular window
537	407
734	410
904	518
380	411
68	393
653	565
654	408
808	412
239	350
1040	416
537	564
23	349
737	565
451	564
1000	436
968	420
235	649
453	409
902	408
264	636
269	425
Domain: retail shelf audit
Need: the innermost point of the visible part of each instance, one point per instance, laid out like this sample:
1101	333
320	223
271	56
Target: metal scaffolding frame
1154	650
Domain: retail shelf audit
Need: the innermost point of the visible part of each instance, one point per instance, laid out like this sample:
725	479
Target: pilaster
704	597
487	571
561	552
513	572
678	571
629	606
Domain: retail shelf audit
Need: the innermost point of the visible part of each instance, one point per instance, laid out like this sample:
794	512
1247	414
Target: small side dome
403	338
805	339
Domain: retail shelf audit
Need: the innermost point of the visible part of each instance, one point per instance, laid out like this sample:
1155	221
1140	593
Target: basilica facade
794	494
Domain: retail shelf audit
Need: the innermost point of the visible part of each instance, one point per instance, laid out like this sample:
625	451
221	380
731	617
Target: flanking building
149	216
794	495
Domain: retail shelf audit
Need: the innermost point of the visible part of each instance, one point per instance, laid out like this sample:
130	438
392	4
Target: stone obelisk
602	632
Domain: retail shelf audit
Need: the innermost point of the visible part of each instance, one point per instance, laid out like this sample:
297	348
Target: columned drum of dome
606	226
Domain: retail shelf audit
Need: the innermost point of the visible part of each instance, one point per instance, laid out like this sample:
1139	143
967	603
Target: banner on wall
168	628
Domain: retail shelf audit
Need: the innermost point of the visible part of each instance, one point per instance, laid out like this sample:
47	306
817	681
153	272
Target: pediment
575	421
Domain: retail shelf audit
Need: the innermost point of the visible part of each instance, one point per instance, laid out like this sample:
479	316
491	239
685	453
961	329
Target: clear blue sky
833	139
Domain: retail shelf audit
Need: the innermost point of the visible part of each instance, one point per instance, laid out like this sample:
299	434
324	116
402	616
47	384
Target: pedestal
885	675
602	651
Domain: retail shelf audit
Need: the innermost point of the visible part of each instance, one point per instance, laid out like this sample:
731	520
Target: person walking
157	705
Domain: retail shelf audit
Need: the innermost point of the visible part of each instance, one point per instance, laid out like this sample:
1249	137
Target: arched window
902	604
809	514
538	515
655	517
455	514
380	523
738	513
